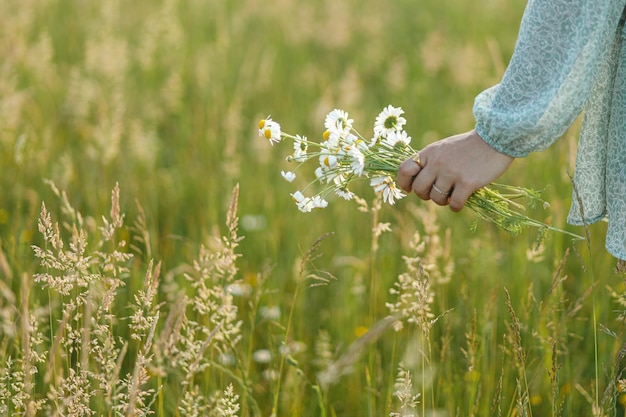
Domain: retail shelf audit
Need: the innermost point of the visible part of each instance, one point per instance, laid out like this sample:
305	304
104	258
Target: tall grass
152	262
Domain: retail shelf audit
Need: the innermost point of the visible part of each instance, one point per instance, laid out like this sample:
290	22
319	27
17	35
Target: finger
440	194
459	198
423	183
406	174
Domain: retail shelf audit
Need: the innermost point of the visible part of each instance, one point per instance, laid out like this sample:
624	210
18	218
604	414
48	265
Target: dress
569	57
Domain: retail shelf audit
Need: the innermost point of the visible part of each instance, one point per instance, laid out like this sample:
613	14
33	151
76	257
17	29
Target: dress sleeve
560	47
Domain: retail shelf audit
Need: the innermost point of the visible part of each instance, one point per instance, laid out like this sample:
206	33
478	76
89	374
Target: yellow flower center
268	133
261	123
326	135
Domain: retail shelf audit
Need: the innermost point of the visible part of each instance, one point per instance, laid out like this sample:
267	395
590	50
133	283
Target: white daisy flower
374	141
395	138
270	313
389	120
239	289
262	356
350	139
341	180
288	175
387	186
270	130
298	197
300	148
338	121
318	202
305	204
331	139
320	174
357	161
344	193
362	145
328	161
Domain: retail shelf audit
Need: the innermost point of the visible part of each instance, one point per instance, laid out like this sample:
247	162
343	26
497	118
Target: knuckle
468	184
404	169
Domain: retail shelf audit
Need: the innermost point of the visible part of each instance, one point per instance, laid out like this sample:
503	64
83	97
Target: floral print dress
570	57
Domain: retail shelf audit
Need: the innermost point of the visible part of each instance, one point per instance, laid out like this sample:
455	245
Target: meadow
152	261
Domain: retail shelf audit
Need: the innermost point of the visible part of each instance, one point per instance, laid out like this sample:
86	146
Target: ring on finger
416	158
440	191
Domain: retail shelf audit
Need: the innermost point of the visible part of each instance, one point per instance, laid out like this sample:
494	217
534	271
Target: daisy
357	161
350	140
342	180
300	148
298	197
331	139
262	356
288	175
306	206
395	138
387	186
389	120
320	174
338	121
318	202
344	193
328	161
270	130
304	203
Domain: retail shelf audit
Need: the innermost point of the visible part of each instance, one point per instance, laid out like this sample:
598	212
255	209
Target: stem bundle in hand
343	156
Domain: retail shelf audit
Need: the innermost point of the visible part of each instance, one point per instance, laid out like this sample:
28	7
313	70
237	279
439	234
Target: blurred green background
164	97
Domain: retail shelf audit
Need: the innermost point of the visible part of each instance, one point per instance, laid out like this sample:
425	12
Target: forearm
561	46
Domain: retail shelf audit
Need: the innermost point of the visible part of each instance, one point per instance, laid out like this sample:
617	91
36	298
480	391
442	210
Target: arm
560	47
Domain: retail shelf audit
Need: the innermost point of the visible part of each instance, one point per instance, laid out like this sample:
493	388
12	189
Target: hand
452	169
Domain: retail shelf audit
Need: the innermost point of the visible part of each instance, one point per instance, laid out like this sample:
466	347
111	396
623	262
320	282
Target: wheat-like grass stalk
407	399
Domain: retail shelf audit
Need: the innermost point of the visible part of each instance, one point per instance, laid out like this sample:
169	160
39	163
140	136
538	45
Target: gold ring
440	191
416	158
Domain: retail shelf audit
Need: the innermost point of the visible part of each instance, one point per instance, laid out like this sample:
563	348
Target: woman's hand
451	169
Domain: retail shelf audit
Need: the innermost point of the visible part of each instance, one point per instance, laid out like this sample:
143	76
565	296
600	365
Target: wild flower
387	186
270	130
262	356
300	148
270	313
288	175
389	121
338	121
345	156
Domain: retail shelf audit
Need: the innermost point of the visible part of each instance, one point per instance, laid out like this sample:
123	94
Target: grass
152	261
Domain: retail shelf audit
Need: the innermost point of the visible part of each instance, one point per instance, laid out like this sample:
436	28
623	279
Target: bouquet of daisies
344	155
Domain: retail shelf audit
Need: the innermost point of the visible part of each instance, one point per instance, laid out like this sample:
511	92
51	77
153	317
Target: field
152	261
